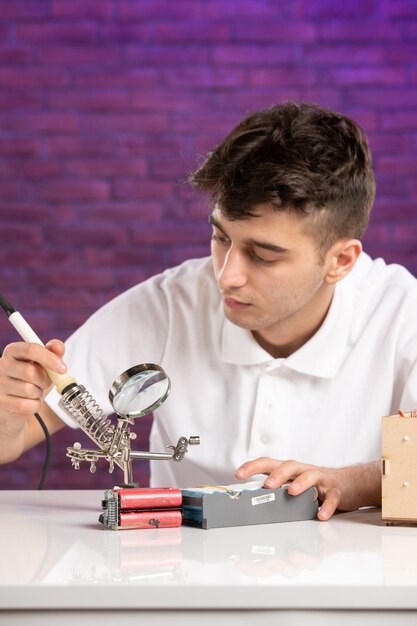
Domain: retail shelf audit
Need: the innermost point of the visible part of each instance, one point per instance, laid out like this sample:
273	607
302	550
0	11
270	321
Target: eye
220	239
258	259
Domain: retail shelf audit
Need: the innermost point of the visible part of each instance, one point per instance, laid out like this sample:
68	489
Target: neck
287	336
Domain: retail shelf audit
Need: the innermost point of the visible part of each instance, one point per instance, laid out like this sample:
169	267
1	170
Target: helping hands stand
135	393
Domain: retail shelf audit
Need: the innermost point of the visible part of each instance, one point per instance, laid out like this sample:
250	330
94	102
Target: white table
58	565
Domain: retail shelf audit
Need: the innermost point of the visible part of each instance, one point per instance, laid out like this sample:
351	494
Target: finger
309	478
20	408
262	465
24	351
56	346
13	371
330	504
286	471
22	389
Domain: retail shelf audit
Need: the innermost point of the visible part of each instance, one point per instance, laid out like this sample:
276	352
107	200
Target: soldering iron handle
61	381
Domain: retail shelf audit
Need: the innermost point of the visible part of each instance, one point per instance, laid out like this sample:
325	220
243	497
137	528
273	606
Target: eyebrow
251	242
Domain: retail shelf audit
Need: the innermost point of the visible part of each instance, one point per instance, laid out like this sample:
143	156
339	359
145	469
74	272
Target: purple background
106	106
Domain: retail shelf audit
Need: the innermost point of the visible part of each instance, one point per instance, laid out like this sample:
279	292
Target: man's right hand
23	387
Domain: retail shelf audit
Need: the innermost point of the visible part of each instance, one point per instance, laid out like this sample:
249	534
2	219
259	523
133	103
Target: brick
405	232
252	54
85	31
123	32
192	30
78	54
205	77
142	144
220	125
335	54
400	54
246	8
387	208
134	53
29	169
26	99
127	211
413	191
81	9
190	232
78	146
82	100
85	232
398	121
115	78
388	142
413	75
253	29
24	257
169	99
19	146
326	9
170	168
23	10
398	164
14	55
24	211
388	185
10	190
409	30
21	234
115	257
43	122
71	190
7	33
331	97
346	76
360	31
284	75
403	10
386	99
124	122
74	278
134	189
126	10
106	168
33	78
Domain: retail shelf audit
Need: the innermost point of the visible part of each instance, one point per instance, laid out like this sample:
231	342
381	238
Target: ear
341	258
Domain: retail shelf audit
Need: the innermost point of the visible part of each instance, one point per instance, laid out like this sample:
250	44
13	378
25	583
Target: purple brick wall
105	106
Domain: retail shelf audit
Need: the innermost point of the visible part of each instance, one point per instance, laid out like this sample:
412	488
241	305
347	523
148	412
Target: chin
238	319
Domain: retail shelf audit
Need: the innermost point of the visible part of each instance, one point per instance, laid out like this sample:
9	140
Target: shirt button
265	438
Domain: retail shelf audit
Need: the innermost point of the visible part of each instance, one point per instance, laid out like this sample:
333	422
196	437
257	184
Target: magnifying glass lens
139	390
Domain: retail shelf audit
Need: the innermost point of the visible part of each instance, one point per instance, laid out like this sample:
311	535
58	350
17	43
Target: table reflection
55	537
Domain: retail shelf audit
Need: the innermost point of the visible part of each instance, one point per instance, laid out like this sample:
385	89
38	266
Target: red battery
145	498
150	519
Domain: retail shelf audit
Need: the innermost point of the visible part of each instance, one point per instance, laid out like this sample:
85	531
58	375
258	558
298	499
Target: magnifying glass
139	390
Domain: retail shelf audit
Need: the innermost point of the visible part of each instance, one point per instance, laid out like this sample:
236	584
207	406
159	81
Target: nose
232	274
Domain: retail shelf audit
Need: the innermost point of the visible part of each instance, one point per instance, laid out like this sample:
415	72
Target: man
290	343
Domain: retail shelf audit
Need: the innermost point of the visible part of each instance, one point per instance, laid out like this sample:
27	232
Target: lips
235	304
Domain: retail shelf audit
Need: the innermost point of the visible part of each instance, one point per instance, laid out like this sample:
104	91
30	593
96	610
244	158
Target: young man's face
268	270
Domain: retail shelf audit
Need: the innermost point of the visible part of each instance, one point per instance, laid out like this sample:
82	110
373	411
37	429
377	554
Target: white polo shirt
322	405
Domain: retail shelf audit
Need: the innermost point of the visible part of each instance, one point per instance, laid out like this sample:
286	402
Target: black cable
47	451
8	309
48	448
6	306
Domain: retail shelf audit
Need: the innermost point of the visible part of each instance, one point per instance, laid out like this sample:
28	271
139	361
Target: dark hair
295	157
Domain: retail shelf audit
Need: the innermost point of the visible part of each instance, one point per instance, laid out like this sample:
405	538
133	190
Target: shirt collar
321	356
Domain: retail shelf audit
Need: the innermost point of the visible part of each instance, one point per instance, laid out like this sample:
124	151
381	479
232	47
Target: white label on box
269	497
